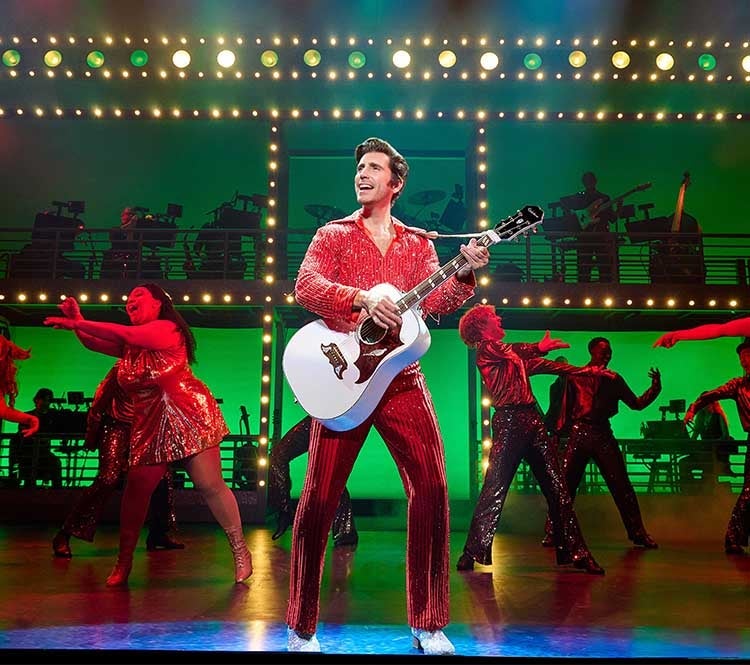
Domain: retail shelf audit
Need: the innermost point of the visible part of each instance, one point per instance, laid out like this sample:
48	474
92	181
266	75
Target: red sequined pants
405	418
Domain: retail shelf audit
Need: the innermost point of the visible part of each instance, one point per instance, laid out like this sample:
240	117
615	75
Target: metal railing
624	258
24	462
661	466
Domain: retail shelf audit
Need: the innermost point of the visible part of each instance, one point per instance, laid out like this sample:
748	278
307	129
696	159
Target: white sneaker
432	642
295	642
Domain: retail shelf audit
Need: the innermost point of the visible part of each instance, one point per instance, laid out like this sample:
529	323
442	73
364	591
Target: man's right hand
381	309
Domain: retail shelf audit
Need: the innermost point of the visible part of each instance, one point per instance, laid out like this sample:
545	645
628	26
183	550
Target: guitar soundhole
370	332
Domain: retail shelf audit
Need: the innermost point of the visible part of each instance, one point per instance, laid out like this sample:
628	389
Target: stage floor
684	600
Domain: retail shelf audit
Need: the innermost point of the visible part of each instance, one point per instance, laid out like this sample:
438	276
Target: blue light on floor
509	641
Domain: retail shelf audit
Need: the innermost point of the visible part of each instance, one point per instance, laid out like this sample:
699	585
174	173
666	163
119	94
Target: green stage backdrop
686	370
200	164
229	362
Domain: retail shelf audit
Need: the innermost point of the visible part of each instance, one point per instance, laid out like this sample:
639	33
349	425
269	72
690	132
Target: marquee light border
681	54
270	295
39	111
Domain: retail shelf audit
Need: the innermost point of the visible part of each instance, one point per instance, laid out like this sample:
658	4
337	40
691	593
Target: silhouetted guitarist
596	244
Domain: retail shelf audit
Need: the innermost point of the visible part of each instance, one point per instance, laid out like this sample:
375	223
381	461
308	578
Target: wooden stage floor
684	600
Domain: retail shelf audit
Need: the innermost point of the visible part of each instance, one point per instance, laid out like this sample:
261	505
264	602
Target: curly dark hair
399	167
471	325
169	313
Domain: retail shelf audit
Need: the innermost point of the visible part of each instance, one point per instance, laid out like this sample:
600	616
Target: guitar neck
427	286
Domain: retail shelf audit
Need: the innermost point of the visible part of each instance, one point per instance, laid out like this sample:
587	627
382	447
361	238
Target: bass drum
679	258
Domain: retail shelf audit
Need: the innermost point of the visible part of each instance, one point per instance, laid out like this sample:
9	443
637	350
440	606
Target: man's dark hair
44	393
744	344
596	341
397	163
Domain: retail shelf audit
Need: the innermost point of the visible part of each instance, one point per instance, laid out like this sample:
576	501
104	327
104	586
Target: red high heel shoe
243	560
120	573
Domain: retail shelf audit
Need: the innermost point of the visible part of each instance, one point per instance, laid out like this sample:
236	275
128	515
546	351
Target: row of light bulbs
401	59
359	114
425	75
104	298
608	302
427	41
207	298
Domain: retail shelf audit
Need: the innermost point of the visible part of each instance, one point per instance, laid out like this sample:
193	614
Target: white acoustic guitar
339	378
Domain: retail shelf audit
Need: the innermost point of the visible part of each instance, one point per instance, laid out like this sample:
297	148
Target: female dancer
174	417
9	388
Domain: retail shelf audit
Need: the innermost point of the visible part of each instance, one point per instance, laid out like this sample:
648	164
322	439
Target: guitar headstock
643	187
526	219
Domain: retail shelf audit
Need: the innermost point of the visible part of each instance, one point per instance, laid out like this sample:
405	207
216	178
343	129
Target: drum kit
324	213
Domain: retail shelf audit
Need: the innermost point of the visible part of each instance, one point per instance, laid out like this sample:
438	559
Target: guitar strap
432	235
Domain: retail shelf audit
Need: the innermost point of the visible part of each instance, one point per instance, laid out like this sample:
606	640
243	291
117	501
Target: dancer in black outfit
294	443
588	404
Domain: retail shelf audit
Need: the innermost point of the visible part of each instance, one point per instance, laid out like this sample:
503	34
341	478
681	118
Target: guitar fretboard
424	288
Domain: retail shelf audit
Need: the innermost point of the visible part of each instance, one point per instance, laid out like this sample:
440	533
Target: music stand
555	229
639	230
560	227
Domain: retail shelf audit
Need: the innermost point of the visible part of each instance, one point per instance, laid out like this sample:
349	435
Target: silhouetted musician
52	236
218	250
33	456
596	244
124	259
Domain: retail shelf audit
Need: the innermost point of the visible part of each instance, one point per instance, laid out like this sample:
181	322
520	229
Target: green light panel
532	61
357	59
95	59
139	58
706	62
11	58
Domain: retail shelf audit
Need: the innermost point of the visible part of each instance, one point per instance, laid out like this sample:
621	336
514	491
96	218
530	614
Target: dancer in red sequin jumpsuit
518	432
174	417
345	260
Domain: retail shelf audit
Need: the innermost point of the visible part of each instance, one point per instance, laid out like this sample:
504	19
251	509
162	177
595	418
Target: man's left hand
548	343
477	256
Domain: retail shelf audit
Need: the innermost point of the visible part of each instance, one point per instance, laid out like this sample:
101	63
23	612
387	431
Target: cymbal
427	197
323	211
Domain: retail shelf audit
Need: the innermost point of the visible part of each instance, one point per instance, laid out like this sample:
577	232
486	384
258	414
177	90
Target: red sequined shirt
737	389
342	259
505	370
